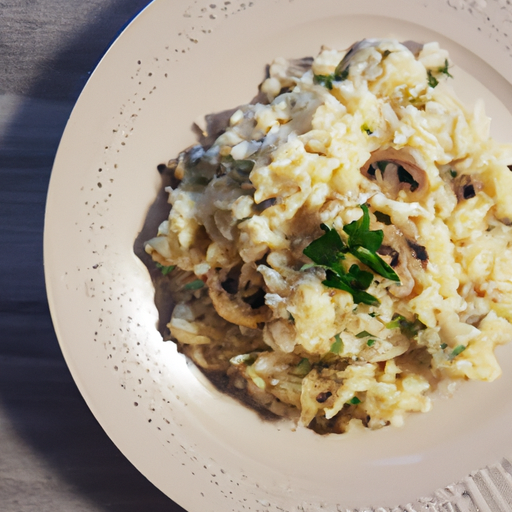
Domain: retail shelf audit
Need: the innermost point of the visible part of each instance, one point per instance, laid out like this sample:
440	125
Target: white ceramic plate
177	61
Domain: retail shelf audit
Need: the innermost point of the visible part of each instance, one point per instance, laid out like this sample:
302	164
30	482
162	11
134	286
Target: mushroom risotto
341	247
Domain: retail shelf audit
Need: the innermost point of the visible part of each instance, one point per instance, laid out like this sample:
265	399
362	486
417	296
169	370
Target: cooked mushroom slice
419	252
406	286
297	67
243	377
195	166
216	125
287	70
387	250
466	186
352	51
414	47
232	306
405	258
397	170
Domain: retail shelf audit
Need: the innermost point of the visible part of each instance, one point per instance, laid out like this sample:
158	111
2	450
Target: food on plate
340	247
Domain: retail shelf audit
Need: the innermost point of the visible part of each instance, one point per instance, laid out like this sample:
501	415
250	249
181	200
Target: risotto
340	247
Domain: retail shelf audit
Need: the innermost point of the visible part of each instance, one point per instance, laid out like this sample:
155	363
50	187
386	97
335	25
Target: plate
176	62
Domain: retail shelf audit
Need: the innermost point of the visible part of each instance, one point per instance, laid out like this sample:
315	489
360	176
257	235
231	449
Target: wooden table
54	457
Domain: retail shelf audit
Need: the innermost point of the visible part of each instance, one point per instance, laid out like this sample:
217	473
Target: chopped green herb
328	250
359	279
432	80
453	173
375	262
363	334
327	80
373	314
364	244
165	270
302	369
411	329
456	351
337	346
341	74
407	328
370	343
360	235
444	69
354	401
194	285
396	322
443	346
344	283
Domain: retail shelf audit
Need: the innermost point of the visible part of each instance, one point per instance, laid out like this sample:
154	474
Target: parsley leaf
354	401
363	334
363	244
360	235
375	262
370	343
344	283
359	279
328	250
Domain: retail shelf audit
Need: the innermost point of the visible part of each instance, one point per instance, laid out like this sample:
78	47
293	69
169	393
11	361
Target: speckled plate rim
175	62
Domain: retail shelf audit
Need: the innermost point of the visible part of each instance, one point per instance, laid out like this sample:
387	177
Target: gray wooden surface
54	457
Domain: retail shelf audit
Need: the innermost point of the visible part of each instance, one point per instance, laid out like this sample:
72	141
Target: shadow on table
37	392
